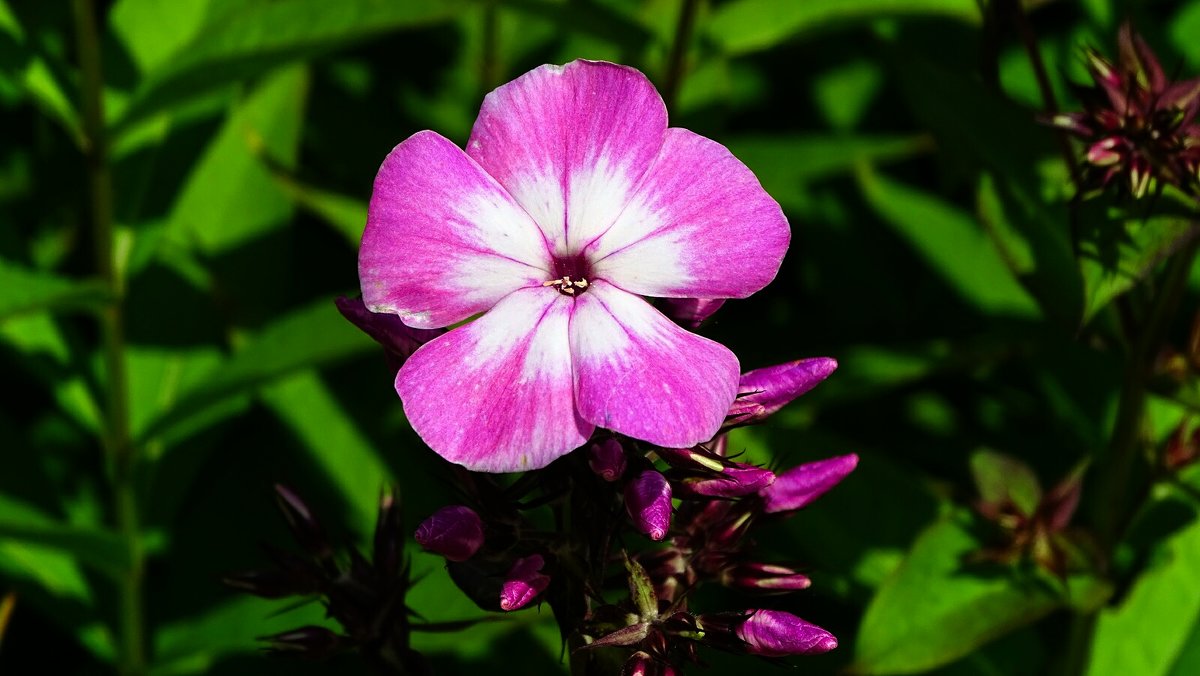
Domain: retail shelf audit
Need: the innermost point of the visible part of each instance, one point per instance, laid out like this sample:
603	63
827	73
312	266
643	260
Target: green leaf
25	62
1155	628
230	197
158	375
1034	242
24	523
194	644
750	25
52	361
951	243
346	215
1002	478
25	291
240	40
347	458
641	589
1116	255
933	610
306	339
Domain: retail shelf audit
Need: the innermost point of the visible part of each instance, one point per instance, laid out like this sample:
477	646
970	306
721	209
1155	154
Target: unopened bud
455	532
311	642
648	502
690	312
733	481
607	459
800	485
764	576
397	339
523	582
764	391
642	663
774	633
303	524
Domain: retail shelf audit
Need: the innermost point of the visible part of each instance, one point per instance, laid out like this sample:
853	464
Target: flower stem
1049	100
1110	513
677	59
117	440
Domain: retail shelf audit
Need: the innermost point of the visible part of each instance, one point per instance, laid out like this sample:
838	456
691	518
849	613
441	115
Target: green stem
117	439
677	59
1110	513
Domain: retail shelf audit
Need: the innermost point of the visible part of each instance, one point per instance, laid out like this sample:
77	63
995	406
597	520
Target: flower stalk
117	439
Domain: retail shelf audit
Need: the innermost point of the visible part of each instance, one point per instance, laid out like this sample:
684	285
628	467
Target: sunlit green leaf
50	358
25	291
1153	630
308	338
230	197
240	40
951	242
348	459
23	523
1123	253
935	609
750	25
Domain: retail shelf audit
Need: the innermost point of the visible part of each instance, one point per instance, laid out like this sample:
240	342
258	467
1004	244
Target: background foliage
932	257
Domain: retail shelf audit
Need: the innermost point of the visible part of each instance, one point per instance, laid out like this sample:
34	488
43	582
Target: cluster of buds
1140	128
695	506
366	597
1033	524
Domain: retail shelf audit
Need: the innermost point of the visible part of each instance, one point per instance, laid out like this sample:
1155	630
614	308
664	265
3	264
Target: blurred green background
931	256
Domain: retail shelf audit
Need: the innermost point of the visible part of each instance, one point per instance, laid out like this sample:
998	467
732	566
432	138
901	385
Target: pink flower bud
523	582
734	481
455	532
764	391
648	502
607	459
800	485
641	663
774	633
764	576
397	339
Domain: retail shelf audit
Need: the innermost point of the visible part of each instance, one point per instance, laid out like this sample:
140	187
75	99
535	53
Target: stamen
567	286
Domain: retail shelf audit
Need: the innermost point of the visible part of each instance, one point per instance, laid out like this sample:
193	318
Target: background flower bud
607	459
802	484
523	582
774	633
455	532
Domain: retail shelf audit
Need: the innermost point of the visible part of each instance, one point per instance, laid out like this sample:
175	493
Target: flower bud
734	481
302	523
523	582
642	663
764	391
690	312
455	532
800	485
312	642
774	633
388	541
607	459
764	576
397	339
648	502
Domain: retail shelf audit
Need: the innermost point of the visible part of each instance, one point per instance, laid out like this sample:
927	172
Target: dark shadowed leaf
26	291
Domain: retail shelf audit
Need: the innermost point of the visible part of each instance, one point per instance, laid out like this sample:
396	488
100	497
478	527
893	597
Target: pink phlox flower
571	203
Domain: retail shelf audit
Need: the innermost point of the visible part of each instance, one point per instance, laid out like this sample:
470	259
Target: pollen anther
566	285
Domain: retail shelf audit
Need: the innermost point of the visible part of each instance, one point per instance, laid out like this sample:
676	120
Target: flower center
572	274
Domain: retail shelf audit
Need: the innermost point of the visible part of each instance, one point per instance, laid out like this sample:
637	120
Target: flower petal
639	374
496	395
699	225
443	240
570	143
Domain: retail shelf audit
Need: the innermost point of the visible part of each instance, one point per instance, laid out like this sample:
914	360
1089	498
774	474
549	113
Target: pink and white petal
443	240
699	226
570	143
497	395
638	373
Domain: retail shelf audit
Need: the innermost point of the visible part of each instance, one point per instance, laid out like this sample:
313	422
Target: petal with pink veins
570	143
699	225
496	395
639	374
443	240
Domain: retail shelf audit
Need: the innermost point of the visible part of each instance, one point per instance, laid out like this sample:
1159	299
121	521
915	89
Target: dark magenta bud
399	340
690	312
774	633
523	582
764	576
648	502
800	485
312	642
734	481
764	391
455	532
607	459
303	524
